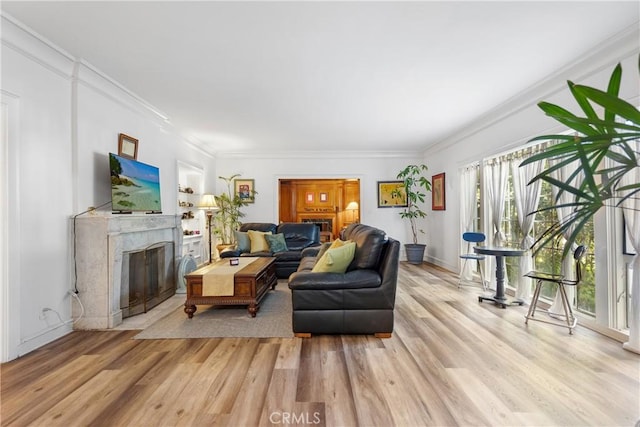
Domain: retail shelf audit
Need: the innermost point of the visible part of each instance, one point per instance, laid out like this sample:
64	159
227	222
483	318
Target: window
549	258
603	297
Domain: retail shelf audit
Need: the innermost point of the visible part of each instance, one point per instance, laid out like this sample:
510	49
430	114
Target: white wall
513	124
40	190
64	118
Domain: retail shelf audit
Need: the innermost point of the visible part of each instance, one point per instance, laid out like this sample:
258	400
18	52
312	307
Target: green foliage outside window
549	257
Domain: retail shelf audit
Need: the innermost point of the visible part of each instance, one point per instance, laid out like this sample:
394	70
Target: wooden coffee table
250	285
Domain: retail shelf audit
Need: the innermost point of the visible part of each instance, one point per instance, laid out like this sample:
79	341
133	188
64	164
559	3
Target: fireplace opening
148	278
325	224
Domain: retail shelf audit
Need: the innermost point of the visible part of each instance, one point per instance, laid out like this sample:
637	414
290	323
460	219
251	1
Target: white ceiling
373	76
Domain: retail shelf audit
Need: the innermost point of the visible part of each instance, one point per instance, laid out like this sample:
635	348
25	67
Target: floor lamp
209	205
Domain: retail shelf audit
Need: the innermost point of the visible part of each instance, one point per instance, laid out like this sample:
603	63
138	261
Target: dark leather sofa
359	301
297	235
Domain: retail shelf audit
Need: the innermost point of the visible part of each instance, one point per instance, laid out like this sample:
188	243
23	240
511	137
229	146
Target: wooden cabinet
351	199
192	245
287	202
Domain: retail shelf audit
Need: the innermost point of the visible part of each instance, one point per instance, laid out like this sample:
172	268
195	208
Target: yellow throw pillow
338	243
336	260
258	242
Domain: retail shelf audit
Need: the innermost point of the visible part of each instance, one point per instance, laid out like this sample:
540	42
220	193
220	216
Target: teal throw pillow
242	241
276	242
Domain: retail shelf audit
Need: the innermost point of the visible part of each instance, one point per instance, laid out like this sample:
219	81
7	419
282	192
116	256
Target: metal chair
570	321
472	237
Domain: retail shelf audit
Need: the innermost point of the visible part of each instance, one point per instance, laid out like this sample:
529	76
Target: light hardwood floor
451	361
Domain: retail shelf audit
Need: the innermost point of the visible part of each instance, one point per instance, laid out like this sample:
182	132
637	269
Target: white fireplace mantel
100	242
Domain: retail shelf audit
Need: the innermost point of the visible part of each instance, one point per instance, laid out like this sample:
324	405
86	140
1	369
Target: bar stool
570	321
472	237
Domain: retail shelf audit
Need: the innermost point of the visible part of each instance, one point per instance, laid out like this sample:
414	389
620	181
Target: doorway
332	203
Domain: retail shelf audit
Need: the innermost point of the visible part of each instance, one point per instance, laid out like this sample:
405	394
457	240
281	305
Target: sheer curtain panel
563	174
496	173
526	197
468	211
631	211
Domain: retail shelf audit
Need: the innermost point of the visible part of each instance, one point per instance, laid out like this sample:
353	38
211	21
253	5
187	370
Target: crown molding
199	147
34	46
610	51
28	43
90	77
320	155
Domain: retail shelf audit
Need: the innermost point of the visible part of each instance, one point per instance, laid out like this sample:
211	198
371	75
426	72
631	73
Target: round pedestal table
499	252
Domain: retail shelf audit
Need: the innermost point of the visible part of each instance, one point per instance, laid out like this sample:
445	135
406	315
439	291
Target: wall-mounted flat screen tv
135	186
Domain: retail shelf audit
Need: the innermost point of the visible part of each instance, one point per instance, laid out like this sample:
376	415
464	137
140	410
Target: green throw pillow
336	260
276	242
242	241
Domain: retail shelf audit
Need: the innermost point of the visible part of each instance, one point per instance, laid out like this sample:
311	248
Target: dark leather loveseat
297	235
359	301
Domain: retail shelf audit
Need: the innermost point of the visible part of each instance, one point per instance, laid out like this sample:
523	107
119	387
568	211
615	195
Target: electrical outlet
43	313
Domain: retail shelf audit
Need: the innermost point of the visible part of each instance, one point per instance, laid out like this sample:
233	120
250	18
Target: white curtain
568	265
468	211
496	174
526	197
631	211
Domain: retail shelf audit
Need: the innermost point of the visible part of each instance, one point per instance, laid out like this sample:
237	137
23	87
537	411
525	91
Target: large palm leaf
602	149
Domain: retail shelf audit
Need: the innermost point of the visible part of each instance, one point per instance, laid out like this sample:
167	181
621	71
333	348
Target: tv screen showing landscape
135	186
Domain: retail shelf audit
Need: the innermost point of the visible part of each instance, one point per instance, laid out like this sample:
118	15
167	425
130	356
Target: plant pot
415	252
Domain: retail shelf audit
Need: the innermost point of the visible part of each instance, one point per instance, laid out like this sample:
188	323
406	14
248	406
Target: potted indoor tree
605	152
227	219
415	188
609	137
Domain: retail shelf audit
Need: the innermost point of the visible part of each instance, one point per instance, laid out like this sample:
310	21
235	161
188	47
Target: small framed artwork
324	197
309	197
127	146
245	189
438	196
392	194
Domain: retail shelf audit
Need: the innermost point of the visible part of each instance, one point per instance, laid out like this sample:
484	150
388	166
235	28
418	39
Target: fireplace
147	278
325	224
114	256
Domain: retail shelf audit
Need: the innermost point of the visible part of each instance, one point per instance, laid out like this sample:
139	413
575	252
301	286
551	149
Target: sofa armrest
312	251
321	281
230	252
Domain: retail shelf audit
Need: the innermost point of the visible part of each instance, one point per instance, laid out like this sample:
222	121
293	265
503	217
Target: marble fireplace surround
100	243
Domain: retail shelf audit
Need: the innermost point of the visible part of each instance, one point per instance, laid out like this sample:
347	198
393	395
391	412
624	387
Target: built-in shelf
190	188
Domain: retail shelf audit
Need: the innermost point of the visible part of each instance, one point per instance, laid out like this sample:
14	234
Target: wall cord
75	263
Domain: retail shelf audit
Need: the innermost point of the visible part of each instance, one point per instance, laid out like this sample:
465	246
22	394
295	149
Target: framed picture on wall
392	194
245	189
438	196
127	146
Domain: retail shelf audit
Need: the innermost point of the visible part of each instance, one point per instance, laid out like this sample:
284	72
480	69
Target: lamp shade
208	202
352	206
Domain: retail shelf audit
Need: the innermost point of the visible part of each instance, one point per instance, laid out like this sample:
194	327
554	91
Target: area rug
272	321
